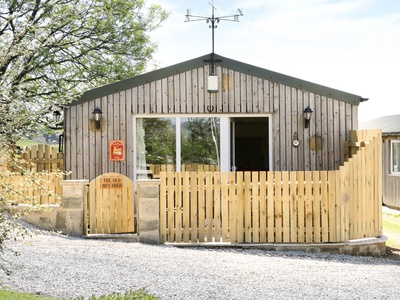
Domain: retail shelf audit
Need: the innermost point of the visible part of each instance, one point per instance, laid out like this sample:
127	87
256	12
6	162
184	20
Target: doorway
250	144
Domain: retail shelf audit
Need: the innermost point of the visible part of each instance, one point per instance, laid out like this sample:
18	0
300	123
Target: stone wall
66	219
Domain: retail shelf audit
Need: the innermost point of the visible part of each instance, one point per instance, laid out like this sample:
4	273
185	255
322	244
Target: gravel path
67	267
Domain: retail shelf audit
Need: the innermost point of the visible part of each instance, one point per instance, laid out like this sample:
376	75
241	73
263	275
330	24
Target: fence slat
239	208
293	207
255	201
278	207
209	206
247	207
232	207
202	208
271	207
263	207
225	207
171	206
301	208
309	207
217	206
332	206
316	207
178	207
193	207
186	206
324	207
286	207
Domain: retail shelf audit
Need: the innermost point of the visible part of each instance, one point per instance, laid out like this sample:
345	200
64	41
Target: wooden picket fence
32	187
43	158
39	180
276	207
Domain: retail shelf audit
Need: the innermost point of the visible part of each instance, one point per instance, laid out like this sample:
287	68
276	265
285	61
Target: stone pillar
69	220
149	211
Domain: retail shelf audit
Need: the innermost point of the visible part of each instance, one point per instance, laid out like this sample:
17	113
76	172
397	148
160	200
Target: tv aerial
213	20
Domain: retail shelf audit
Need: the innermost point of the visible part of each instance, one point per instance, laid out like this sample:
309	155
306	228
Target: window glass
200	144
155	146
395	156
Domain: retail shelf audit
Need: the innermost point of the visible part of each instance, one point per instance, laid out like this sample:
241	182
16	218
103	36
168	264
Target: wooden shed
241	117
203	124
390	126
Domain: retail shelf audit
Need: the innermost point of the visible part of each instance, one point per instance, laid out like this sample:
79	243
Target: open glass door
250	144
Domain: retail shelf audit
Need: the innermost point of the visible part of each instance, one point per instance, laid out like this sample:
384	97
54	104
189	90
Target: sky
350	45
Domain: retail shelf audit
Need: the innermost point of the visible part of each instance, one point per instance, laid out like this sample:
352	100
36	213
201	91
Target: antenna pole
213	20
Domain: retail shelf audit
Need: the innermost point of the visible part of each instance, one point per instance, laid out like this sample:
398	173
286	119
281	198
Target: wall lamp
97	117
57	116
307	116
59	124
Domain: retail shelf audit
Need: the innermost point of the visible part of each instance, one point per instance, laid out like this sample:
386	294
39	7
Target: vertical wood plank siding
321	145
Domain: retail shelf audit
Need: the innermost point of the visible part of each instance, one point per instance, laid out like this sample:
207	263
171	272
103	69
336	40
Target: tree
50	52
53	50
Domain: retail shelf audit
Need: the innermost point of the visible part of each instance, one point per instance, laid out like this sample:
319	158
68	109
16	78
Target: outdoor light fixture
307	116
57	124
97	117
57	116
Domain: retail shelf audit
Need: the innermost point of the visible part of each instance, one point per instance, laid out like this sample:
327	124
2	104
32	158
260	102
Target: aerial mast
213	20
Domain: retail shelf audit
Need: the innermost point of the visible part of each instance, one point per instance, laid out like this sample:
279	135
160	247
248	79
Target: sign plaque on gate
111	182
117	150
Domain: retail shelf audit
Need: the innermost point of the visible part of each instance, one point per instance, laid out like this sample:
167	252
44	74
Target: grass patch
9	295
132	295
391	229
27	143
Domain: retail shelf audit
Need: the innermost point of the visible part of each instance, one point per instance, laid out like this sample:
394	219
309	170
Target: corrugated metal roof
226	63
388	124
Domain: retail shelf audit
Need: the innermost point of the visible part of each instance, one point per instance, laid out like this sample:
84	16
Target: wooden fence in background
41	179
33	188
43	158
276	207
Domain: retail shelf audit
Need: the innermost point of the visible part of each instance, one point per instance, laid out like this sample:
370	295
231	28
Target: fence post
148	215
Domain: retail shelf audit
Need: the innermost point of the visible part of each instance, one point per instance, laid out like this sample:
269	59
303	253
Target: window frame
392	172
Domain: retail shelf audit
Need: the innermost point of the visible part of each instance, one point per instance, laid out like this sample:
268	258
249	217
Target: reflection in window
155	146
395	157
200	143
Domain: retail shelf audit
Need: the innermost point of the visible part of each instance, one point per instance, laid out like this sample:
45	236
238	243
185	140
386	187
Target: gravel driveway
67	267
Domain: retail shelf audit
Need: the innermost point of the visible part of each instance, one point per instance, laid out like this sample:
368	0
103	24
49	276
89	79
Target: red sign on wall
117	150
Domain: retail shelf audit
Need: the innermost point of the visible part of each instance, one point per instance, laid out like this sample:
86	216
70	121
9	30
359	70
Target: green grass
391	229
133	295
29	143
9	295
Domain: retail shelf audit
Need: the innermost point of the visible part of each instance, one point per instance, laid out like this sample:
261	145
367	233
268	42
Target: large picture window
176	144
395	157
